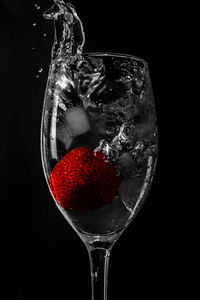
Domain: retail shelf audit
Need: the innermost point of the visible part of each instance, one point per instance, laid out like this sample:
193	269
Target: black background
42	257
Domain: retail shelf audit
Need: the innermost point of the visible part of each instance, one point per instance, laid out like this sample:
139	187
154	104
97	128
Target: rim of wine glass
125	55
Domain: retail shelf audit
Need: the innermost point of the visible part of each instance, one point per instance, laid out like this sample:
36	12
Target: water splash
69	35
120	142
69	39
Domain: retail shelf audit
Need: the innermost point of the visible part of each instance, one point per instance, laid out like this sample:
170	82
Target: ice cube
126	193
64	134
77	121
126	165
145	127
131	191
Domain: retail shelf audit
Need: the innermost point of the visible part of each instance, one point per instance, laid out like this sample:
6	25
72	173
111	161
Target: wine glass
99	148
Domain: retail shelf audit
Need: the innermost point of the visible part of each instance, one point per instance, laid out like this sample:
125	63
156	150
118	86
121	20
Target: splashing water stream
69	39
69	35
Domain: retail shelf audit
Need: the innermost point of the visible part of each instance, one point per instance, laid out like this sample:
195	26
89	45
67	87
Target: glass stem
99	259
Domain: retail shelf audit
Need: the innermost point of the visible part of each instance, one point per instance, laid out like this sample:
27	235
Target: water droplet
37	6
34	24
39	72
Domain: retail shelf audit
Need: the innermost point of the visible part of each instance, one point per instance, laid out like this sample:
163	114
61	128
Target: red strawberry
83	180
